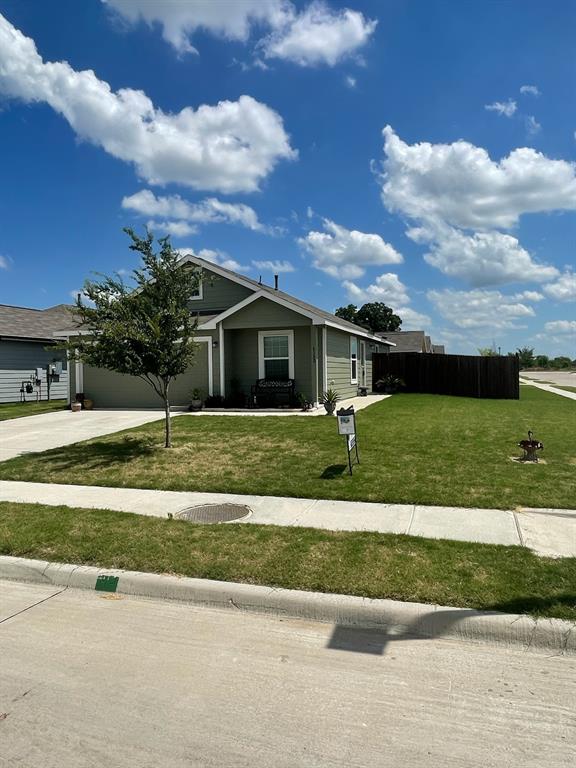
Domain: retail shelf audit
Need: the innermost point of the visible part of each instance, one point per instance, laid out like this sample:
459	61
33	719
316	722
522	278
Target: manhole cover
214	513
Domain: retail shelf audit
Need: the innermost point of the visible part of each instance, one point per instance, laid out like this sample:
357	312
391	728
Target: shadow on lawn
97	455
333	471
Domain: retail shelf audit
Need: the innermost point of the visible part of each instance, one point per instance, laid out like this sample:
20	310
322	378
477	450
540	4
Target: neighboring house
249	331
26	340
412	341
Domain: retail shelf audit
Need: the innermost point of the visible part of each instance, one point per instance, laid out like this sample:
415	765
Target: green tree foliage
347	313
561	362
542	361
487	352
526	356
375	316
145	331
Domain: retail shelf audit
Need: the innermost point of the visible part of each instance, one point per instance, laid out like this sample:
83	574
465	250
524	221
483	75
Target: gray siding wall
218	294
115	390
18	362
241	348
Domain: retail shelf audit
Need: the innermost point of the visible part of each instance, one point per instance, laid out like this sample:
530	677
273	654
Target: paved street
88	679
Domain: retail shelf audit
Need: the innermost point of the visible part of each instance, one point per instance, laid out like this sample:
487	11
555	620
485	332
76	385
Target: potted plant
197	401
329	400
389	384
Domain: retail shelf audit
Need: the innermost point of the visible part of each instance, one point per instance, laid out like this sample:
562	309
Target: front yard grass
17	410
480	576
425	449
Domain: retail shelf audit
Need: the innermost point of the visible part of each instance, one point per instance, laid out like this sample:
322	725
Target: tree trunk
168	423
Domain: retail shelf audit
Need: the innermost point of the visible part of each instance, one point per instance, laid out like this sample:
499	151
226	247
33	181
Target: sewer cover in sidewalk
214	513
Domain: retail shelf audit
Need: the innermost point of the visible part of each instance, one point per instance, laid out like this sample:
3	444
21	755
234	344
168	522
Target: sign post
347	427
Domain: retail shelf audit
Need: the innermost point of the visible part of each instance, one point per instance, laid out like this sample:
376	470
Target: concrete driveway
32	434
558	378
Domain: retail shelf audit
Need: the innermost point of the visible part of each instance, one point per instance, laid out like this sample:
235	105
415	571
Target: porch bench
271	392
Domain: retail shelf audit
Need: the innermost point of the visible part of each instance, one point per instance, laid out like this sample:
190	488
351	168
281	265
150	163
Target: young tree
377	317
146	331
526	357
347	313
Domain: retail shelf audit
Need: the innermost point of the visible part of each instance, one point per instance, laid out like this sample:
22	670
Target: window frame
200	292
353	361
262	360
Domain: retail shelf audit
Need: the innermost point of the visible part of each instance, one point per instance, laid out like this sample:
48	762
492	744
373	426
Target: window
353	360
197	292
276	355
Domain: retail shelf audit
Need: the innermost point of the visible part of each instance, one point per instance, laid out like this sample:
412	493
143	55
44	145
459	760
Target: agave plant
329	400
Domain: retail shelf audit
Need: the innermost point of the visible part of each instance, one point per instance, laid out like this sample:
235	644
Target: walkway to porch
358	402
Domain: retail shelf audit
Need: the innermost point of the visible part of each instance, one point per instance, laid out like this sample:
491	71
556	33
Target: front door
362	363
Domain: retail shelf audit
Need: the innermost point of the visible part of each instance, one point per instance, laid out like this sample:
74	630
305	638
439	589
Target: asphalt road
89	679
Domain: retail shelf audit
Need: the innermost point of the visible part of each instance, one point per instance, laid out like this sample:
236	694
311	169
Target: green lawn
425	449
568	389
17	410
480	576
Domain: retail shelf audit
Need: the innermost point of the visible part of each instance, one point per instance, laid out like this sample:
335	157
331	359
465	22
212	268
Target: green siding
338	351
265	314
116	390
218	294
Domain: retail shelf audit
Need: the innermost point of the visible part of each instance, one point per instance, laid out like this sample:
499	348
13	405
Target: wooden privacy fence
464	375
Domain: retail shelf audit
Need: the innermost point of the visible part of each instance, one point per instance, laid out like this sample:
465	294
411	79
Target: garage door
116	390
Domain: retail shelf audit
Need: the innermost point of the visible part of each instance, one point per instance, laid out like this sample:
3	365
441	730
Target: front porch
359	404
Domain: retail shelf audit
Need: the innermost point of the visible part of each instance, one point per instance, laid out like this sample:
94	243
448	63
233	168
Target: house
249	331
412	341
30	368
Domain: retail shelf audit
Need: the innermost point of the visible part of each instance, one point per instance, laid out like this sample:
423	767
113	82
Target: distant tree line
529	360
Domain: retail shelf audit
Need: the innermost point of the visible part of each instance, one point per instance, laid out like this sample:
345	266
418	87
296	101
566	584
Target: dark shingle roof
26	323
406	341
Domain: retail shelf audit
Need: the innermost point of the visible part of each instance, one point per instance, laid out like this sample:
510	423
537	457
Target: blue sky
417	153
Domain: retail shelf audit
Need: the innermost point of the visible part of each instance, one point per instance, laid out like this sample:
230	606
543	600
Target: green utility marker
106	583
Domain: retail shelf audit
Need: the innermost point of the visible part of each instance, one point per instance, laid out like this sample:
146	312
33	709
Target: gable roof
33	324
318	316
408	341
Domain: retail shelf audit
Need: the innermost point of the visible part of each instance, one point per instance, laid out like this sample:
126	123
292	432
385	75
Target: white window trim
261	336
353	357
200	292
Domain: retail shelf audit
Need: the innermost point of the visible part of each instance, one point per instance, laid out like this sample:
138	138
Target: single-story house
412	341
248	331
29	365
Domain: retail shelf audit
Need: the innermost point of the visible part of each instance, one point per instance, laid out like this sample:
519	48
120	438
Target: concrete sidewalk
550	532
549	388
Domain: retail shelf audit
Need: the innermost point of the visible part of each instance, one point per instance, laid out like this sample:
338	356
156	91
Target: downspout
221	348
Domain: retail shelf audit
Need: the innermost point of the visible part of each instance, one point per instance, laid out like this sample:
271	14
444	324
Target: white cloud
531	89
561	326
482	259
216	257
319	35
506	108
207	211
529	296
350	81
174	228
563	289
179	20
275	266
480	309
460	184
229	147
315	35
532	125
3	262
345	253
390	290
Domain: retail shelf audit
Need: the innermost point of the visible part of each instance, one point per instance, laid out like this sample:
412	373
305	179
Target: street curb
397	618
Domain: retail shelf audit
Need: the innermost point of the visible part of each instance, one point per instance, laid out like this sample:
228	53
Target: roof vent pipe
275	282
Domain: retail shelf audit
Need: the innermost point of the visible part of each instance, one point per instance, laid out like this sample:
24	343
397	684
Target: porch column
222	371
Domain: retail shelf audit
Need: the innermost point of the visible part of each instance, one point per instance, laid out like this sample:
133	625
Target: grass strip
375	565
18	410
